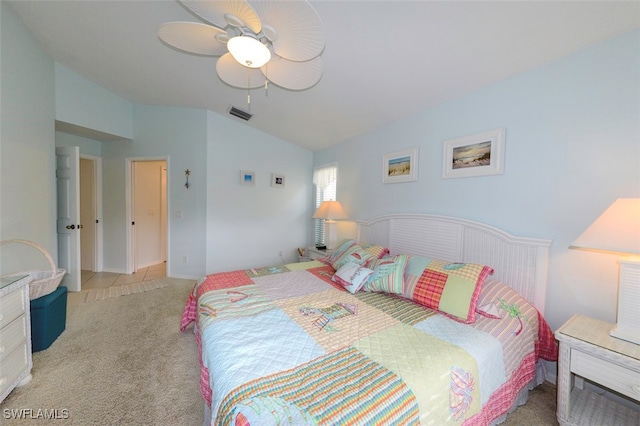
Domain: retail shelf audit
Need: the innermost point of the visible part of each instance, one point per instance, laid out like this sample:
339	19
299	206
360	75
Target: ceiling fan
258	41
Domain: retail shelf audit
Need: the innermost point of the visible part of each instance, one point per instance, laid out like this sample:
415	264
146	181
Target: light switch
179	214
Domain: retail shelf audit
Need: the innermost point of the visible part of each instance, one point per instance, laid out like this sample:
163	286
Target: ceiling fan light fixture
249	51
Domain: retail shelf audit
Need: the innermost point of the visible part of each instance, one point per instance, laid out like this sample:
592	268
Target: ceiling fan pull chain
266	81
249	89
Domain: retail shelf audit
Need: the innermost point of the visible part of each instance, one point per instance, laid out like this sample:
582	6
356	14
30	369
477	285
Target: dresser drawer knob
636	389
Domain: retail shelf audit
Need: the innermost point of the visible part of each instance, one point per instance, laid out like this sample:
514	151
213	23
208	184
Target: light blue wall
83	103
27	147
179	134
572	148
249	225
87	146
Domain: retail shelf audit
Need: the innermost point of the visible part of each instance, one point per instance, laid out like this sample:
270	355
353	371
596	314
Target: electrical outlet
280	253
185	259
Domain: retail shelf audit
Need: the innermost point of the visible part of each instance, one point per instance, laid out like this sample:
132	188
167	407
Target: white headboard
519	262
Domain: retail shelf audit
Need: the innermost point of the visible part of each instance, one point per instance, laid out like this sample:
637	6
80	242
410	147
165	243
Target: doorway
90	200
79	195
147	211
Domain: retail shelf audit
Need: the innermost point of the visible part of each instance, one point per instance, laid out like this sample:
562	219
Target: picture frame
400	166
277	180
247	178
480	154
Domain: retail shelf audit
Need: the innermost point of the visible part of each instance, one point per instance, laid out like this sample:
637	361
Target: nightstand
315	254
587	351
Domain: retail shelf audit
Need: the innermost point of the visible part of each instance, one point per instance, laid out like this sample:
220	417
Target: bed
419	319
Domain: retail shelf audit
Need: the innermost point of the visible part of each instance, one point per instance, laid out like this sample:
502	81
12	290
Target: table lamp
330	211
617	231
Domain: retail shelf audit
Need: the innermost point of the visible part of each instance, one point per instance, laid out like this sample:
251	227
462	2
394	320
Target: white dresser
15	334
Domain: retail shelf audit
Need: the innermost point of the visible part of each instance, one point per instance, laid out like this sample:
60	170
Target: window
325	179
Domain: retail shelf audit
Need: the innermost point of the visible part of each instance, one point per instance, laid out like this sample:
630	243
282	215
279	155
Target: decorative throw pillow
352	276
387	274
378	251
355	254
449	287
342	246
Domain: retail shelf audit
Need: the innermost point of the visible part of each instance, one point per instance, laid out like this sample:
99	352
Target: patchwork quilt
287	345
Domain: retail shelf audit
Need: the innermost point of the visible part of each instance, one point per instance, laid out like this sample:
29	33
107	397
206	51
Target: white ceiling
383	59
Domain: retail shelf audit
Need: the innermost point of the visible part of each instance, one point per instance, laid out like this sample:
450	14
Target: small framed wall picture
247	178
480	154
400	166
277	180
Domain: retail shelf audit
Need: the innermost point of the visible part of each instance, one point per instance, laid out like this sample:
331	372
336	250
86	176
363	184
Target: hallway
94	280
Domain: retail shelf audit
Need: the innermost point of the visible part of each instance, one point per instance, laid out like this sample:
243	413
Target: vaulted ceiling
382	60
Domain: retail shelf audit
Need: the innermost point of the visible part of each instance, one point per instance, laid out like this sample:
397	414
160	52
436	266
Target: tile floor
92	280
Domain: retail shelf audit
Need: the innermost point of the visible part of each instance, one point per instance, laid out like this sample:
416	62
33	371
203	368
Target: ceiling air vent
240	113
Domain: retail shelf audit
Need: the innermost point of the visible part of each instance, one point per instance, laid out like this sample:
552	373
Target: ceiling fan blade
293	75
300	35
193	37
236	75
215	11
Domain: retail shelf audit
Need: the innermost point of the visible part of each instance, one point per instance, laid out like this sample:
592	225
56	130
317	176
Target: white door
68	188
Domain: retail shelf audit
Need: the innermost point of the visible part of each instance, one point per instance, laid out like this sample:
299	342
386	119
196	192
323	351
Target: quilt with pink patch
287	345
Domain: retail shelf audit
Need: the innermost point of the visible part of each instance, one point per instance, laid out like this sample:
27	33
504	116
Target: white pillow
352	276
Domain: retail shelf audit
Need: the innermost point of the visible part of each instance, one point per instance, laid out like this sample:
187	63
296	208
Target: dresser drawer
606	373
12	367
11	306
12	336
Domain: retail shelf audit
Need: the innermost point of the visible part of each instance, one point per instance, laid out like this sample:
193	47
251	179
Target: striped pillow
449	287
388	275
354	254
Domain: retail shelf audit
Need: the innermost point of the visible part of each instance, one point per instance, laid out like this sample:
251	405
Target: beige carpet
120	361
123	361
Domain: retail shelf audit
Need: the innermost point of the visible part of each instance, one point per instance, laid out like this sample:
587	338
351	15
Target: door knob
70	227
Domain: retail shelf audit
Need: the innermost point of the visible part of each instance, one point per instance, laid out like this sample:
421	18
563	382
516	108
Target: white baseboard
115	271
186	277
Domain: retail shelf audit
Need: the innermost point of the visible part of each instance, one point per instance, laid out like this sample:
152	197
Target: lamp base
628	326
331	233
629	335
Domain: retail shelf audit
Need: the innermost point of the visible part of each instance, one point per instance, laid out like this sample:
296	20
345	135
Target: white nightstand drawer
606	373
12	367
11	306
13	336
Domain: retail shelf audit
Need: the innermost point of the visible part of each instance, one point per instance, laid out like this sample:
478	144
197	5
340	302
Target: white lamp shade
248	51
330	210
616	230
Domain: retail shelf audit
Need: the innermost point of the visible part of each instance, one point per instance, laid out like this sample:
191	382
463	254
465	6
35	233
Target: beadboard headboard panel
520	262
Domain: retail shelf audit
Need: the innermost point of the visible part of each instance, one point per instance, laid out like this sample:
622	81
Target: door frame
98	260
130	214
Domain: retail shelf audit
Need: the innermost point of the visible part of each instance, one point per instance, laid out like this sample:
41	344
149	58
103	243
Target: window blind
325	180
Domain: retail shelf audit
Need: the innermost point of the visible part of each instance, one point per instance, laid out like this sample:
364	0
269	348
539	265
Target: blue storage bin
48	318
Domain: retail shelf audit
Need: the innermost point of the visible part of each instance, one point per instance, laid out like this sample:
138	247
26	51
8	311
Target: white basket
44	282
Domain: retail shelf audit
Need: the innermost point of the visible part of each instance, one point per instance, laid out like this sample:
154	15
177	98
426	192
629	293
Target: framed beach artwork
277	180
247	178
480	154
400	166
